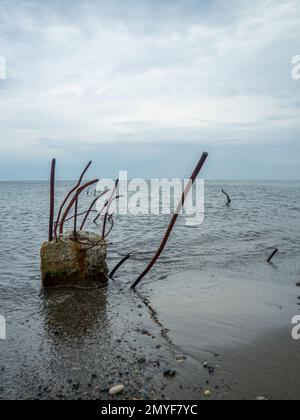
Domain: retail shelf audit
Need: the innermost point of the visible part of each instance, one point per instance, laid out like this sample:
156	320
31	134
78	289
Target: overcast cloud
147	85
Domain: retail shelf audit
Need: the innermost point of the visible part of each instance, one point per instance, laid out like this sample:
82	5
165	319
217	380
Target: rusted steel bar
108	202
91	207
79	191
110	219
68	196
79	214
52	198
103	208
123	261
272	255
174	219
75	219
104	225
228	198
94	245
106	215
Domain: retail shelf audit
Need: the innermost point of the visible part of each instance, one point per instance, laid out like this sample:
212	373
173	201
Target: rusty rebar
272	255
228	198
78	192
173	220
79	214
109	201
104	225
52	198
111	220
91	208
120	263
107	214
57	223
75	219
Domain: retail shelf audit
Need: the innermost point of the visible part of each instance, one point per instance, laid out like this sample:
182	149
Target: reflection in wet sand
74	314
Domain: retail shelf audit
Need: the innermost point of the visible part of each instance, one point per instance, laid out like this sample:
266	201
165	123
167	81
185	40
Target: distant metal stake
174	219
52	197
272	255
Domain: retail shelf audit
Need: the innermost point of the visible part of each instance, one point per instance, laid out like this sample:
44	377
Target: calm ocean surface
263	215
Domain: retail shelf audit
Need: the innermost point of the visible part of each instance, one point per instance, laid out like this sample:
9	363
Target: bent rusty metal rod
79	214
111	220
91	208
94	245
108	202
75	219
68	196
107	217
52	198
79	191
102	240
120	263
228	198
103	208
174	219
272	255
108	207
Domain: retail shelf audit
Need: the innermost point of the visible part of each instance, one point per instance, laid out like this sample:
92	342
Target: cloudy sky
147	85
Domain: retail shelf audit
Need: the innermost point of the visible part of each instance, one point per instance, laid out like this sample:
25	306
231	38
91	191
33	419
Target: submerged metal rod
174	219
272	255
228	198
52	197
120	263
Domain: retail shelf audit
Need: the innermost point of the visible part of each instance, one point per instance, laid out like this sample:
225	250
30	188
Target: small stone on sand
169	373
115	390
207	393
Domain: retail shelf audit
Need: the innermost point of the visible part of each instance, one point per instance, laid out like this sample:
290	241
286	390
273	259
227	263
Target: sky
147	86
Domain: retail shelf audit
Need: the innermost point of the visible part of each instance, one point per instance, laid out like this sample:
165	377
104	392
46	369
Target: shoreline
142	343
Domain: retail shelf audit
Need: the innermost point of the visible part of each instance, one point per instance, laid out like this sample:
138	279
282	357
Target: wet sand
192	332
239	329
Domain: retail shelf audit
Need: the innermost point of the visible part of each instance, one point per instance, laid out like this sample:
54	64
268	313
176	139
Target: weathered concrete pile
70	262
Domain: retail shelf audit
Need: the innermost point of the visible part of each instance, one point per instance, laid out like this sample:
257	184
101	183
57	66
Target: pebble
115	390
261	399
169	373
207	393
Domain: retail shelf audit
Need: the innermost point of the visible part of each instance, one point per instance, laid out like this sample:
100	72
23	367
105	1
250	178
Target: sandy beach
190	334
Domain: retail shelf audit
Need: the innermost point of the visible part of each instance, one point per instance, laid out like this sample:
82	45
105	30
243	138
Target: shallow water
60	336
